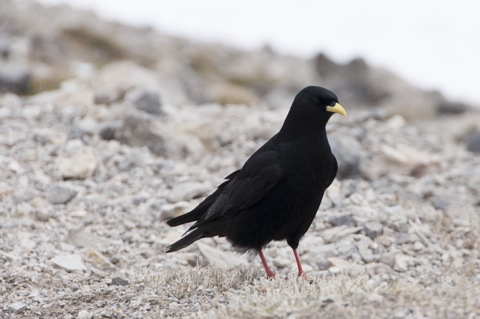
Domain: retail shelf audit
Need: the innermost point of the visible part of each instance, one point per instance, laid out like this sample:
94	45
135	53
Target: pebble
187	191
365	248
373	229
339	232
118	281
80	165
17	307
145	100
98	259
84	314
69	262
219	258
402	262
340	219
473	142
59	194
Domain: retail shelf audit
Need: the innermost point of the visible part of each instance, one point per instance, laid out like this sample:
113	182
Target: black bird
277	192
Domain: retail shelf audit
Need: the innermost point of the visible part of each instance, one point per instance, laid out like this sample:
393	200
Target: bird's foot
270	274
303	275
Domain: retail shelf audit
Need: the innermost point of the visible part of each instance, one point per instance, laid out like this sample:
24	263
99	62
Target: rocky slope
136	128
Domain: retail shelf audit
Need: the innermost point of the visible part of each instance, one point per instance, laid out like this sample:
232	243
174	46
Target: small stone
61	194
340	220
80	165
387	259
336	233
187	191
84	314
385	241
97	258
14	79
417	246
402	262
144	100
168	211
83	238
108	130
473	142
220	258
17	307
365	246
373	229
69	262
339	263
118	281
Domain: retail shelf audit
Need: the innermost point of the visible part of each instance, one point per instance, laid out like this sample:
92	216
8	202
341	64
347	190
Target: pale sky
433	44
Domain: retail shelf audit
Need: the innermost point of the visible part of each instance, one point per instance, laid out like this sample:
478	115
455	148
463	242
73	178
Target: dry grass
206	292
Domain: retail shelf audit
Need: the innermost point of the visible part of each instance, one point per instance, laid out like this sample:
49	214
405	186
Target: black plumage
277	193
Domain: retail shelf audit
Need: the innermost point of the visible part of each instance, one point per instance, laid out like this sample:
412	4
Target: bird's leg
270	273
299	265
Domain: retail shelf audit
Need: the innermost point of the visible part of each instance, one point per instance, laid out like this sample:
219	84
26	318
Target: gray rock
70	262
350	154
451	107
365	248
136	131
107	130
60	194
17	307
145	100
118	281
373	229
473	142
14	79
340	220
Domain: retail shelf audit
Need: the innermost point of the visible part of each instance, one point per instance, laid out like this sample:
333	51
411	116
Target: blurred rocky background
106	131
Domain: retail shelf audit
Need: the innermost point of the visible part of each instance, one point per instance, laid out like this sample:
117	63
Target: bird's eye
316	100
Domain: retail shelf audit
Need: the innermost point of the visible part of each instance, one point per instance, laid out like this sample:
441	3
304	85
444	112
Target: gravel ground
111	130
86	189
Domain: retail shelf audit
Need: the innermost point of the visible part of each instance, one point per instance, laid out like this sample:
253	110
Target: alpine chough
277	192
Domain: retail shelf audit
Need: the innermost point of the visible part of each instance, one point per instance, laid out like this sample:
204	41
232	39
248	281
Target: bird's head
320	99
312	108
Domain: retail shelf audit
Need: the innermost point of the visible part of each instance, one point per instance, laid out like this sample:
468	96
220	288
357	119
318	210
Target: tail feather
186	241
198	211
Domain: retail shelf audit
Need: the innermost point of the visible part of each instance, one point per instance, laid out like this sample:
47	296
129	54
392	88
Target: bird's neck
298	126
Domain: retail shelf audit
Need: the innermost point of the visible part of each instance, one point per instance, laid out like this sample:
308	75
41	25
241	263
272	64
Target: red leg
270	273
299	265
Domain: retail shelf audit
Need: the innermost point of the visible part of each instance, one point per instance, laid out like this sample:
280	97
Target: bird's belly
289	208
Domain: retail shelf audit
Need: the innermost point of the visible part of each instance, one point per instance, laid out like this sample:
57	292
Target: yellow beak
337	108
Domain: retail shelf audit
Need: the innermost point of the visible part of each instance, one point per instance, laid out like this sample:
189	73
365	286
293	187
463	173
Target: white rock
187	191
220	258
69	262
17	307
336	233
80	165
402	262
84	314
